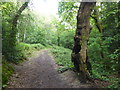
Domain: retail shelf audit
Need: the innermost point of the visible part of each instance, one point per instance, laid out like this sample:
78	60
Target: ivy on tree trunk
13	32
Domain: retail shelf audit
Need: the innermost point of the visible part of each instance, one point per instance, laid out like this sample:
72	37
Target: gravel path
40	72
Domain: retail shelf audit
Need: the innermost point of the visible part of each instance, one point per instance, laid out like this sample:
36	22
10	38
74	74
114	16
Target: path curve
40	72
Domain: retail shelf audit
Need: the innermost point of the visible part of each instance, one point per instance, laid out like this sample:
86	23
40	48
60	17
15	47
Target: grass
62	58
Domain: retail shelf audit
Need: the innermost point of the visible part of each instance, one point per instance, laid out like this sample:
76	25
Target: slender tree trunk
24	36
14	22
58	37
12	36
58	40
80	50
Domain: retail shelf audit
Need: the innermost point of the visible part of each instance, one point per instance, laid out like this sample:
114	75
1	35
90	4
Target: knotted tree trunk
80	50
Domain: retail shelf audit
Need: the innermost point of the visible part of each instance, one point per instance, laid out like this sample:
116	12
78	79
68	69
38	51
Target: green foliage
35	32
9	48
115	85
103	68
62	58
15	56
27	49
66	39
7	71
94	45
34	28
63	35
24	48
37	46
67	12
7	8
24	51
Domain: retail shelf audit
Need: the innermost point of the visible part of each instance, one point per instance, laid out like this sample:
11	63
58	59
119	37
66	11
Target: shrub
7	71
62	58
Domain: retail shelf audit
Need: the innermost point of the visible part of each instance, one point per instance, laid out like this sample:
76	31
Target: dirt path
40	72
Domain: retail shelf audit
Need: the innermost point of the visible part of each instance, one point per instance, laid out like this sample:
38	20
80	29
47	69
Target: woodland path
40	72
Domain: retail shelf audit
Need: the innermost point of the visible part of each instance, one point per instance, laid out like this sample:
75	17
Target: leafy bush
62	57
67	39
37	46
102	68
7	71
23	51
28	48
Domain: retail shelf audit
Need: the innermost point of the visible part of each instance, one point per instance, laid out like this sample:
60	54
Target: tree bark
80	50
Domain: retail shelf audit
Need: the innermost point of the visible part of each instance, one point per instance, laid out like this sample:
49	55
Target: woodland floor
40	72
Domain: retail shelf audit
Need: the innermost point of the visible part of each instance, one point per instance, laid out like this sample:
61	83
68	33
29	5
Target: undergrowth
99	72
7	71
25	51
62	58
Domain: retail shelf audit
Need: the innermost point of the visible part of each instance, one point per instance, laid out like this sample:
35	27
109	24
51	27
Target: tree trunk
80	50
58	37
12	36
14	23
58	40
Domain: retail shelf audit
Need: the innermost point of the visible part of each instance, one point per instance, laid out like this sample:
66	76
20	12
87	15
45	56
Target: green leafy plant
7	71
62	58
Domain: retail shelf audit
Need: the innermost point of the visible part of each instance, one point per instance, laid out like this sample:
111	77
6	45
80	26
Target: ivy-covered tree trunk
13	32
80	50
